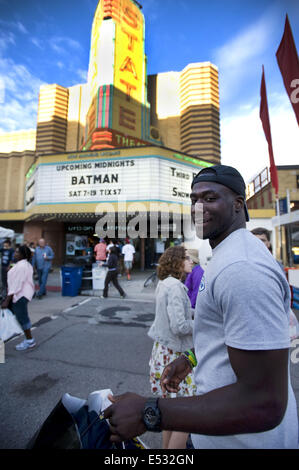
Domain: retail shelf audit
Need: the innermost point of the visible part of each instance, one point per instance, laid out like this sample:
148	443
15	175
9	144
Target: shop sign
79	228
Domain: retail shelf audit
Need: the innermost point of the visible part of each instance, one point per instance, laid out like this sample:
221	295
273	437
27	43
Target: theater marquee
137	179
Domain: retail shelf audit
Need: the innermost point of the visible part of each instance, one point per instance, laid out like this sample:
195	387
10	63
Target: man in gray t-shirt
244	304
241	338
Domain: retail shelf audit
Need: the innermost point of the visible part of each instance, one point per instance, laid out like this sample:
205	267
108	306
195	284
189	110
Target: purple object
193	282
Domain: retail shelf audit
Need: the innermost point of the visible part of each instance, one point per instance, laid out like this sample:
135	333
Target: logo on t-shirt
202	284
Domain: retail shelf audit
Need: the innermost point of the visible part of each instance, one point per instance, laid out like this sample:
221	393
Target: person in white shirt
20	292
128	251
110	245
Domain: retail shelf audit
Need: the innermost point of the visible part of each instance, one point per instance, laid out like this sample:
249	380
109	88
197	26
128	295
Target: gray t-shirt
243	302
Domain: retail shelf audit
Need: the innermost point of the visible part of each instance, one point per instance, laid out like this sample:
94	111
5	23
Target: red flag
264	115
288	62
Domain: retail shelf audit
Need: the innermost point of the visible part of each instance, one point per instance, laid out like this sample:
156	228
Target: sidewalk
135	287
54	302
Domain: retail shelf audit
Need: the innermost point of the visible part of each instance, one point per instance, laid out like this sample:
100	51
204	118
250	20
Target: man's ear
239	203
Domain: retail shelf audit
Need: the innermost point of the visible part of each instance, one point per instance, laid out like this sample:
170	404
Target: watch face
151	416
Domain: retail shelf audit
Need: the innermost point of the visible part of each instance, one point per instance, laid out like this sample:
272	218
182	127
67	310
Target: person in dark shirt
111	276
7	254
193	279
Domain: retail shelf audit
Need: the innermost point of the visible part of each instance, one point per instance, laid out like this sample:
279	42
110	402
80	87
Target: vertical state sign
129	51
117	58
129	70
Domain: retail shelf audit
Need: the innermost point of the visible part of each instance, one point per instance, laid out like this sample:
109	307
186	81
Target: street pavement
54	302
84	343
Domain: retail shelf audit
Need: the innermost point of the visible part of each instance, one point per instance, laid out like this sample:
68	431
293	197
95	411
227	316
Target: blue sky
48	41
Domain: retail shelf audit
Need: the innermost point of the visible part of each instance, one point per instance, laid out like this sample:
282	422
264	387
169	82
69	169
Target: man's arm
50	254
256	402
174	373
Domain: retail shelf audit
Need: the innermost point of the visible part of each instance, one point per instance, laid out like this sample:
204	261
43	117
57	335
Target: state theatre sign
117	76
137	179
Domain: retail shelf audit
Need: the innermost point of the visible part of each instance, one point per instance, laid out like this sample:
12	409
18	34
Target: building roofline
287	167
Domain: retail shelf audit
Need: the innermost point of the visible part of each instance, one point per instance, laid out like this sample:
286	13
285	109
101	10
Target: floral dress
161	356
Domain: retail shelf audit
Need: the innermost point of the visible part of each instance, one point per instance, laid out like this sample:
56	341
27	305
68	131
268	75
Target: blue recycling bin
71	280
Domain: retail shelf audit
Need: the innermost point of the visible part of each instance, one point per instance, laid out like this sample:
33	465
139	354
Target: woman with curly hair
172	329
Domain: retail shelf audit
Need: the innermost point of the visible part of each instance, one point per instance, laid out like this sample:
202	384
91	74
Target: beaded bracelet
191	358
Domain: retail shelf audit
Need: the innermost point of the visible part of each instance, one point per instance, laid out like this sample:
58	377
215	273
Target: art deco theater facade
120	146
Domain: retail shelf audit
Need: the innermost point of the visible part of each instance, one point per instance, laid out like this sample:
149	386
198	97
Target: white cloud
19	90
15	25
37	42
61	45
2	90
17	116
82	74
21	27
243	143
238	59
150	10
5	40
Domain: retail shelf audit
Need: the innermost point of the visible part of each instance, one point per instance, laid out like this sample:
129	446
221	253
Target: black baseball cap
225	175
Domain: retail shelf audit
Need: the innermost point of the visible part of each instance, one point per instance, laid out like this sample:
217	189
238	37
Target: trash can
98	276
71	280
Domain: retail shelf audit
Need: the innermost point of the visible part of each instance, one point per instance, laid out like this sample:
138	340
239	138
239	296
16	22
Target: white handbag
9	325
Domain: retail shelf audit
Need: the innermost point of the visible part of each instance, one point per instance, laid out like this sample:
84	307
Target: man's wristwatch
152	415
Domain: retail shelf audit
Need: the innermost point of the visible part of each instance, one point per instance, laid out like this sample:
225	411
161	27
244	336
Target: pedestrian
100	251
194	278
111	276
171	330
20	292
263	234
109	245
120	245
42	261
241	339
32	247
7	255
128	251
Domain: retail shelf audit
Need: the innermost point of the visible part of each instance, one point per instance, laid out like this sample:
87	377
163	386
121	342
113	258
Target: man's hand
174	373
125	416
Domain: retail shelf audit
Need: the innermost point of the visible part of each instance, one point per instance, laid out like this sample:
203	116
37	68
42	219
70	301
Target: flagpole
279	226
264	116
